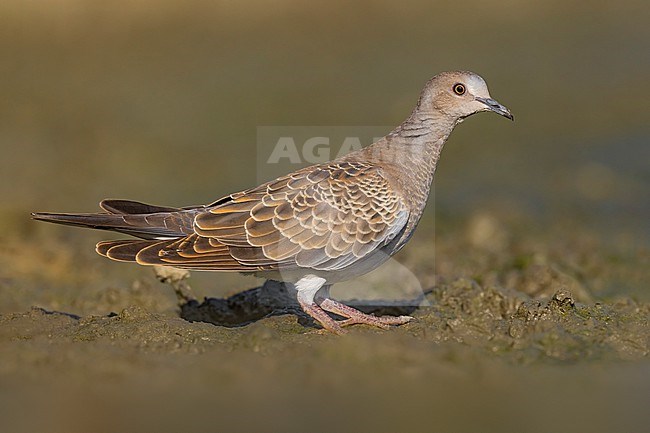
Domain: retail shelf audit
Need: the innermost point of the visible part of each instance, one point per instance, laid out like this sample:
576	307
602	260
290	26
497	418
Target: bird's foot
324	319
354	316
310	285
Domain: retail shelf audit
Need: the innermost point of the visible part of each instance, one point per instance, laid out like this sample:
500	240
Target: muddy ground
512	333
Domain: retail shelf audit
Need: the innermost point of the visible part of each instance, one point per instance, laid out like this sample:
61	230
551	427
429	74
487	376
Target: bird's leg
307	288
355	316
311	287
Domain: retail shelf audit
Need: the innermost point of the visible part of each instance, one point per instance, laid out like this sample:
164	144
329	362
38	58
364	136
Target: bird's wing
324	217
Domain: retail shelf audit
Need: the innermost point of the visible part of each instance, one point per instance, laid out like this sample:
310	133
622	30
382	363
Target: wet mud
530	329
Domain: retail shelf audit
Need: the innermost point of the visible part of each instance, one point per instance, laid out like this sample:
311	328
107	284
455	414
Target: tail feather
166	235
130	217
130	207
91	220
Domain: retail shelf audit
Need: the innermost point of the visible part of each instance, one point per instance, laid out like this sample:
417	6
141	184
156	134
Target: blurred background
160	101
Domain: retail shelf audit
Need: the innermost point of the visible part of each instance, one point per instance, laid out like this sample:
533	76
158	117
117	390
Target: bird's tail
129	217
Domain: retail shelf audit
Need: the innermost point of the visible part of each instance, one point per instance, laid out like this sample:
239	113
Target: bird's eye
459	89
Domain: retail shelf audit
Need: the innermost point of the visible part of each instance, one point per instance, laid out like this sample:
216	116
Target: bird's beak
493	105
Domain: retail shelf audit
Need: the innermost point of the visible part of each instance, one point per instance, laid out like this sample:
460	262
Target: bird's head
460	94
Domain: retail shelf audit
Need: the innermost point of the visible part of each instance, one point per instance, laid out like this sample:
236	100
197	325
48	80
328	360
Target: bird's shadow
273	298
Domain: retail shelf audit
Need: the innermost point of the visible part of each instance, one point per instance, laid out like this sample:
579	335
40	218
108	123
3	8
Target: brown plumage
315	226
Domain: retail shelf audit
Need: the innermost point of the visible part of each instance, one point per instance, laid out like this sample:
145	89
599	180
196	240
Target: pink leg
355	316
320	316
307	288
310	285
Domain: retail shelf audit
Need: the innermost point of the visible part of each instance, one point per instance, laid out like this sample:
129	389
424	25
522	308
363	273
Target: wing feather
325	217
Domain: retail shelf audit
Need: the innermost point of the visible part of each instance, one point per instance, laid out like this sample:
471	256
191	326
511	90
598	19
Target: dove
314	227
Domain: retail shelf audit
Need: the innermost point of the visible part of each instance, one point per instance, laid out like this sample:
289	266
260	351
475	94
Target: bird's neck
423	135
409	154
413	149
